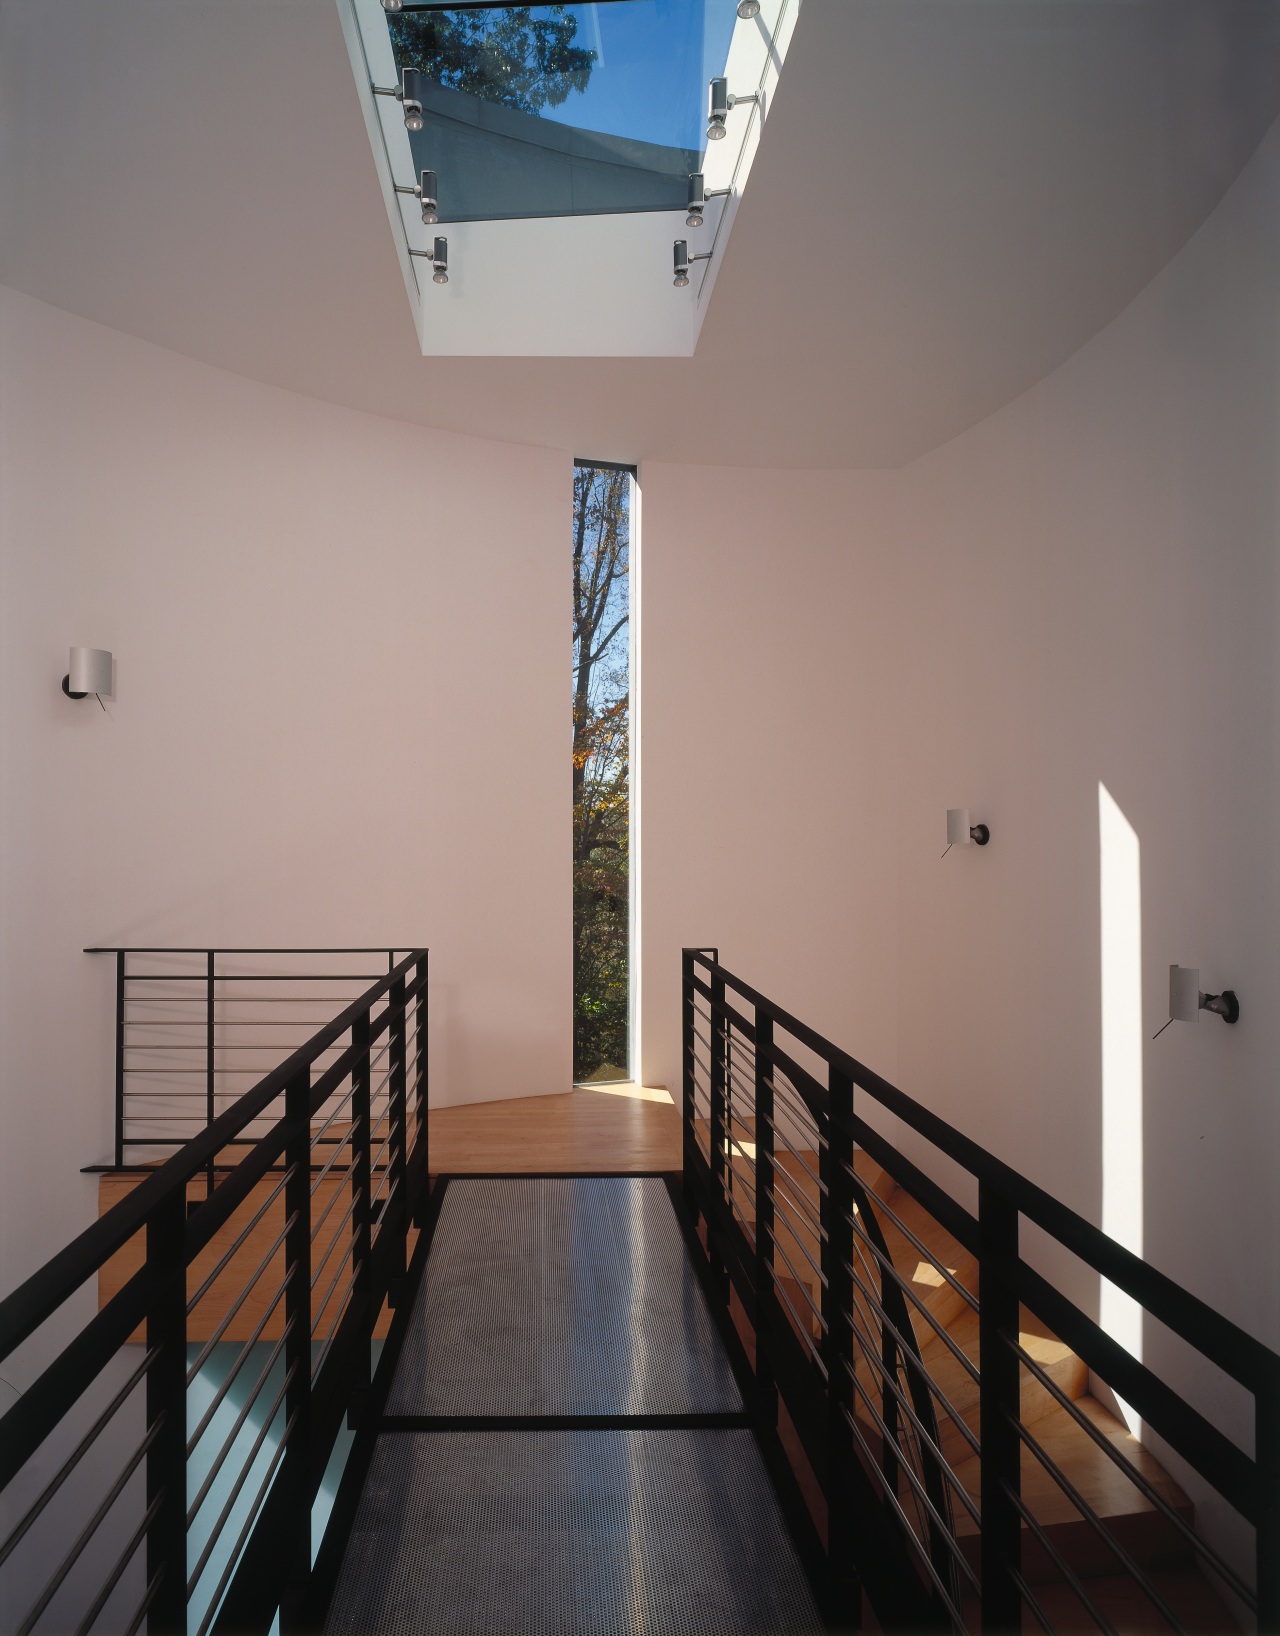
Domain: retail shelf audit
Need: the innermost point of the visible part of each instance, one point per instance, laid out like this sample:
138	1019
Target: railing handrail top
39	1296
174	948
1258	1363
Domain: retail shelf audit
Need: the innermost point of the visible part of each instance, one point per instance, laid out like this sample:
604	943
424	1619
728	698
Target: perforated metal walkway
564	1446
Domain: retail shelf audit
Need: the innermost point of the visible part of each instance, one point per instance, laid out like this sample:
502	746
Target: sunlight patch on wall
1121	947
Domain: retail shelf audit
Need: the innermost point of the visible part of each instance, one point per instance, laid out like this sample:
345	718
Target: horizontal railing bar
30	1304
201	1045
802	1282
239	1182
803	1085
90	1528
1139	1481
216	1532
172	948
926	1254
74	1458
227	999
336	1237
821	1276
228	1442
1213	1455
806	1340
904	1345
911	1536
198	1021
252	977
250	1285
950	1215
1059	1561
122	1562
869	1348
1237	1353
781	1136
217	1272
1024	1590
913	1477
1099	1527
323	1175
338	1316
148	1597
30	1420
938	1328
216	1600
206	1418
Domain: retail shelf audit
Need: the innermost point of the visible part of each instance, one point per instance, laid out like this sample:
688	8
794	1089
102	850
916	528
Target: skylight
563	110
560	147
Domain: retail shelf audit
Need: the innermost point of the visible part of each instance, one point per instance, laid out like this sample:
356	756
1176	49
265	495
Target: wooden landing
599	1127
616	1127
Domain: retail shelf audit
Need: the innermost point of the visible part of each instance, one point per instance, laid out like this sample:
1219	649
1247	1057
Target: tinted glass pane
559	110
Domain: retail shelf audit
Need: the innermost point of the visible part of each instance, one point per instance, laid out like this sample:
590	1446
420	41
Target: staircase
1097	1534
927	1257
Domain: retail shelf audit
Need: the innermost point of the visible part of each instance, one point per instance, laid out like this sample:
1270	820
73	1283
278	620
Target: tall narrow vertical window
602	496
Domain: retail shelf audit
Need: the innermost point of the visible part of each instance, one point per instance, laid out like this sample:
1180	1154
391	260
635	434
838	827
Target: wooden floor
613	1127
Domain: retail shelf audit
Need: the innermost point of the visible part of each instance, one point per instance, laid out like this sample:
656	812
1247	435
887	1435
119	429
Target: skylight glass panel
591	108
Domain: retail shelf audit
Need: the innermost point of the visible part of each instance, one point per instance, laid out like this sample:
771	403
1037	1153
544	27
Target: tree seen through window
601	773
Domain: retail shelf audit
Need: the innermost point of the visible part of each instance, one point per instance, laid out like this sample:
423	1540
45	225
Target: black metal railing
163	1465
195	1028
929	1405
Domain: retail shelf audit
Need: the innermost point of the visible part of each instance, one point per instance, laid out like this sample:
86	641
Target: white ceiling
951	197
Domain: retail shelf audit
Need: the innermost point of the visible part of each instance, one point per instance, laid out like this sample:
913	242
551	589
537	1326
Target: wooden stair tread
1119	1599
1093	1474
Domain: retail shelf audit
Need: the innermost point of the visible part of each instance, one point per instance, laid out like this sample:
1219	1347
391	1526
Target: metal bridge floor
549	1297
561	1296
665	1533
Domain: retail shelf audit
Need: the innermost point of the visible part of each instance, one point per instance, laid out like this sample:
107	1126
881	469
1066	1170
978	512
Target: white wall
767	748
1081	595
1090	596
340	717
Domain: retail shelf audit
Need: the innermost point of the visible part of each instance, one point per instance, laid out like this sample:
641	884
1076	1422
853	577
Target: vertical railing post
689	1136
361	1212
166	1233
999	1411
295	1468
1266	1432
209	1106
835	1162
120	983
719	1156
421	1073
766	1395
395	1216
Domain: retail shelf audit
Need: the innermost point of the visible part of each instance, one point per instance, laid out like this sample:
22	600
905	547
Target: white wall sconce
426	192
409	93
698	197
438	256
722	100
960	832
88	671
682	261
747	9
1186	1001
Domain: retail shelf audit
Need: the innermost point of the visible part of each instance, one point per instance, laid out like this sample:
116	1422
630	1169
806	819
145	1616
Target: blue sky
656	57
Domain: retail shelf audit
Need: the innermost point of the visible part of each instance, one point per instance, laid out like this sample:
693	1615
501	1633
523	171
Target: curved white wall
1081	591
340	718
